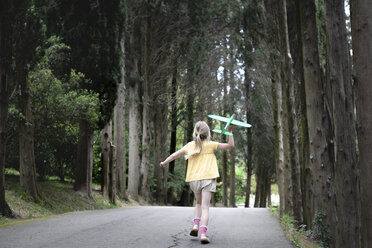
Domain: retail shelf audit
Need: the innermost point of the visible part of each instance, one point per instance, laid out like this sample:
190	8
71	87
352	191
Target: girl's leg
206	198
197	211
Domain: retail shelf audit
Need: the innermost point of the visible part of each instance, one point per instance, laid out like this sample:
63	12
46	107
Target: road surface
152	227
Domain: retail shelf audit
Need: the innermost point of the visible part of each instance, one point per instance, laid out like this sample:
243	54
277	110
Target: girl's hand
230	128
162	164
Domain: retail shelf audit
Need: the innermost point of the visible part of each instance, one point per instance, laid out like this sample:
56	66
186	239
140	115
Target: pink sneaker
194	231
204	239
203	235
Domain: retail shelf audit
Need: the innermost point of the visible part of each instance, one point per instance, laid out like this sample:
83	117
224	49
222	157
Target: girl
202	172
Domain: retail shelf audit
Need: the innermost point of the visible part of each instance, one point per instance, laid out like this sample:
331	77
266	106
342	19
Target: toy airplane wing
234	122
228	121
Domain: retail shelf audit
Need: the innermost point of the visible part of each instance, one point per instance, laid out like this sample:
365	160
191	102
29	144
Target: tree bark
294	103
247	83
320	191
286	117
119	132
232	179
258	186
146	135
5	55
134	159
263	185
186	199
339	82
27	167
5	210
112	175
272	8
279	133
174	124
84	166
161	122
106	139
224	153
361	29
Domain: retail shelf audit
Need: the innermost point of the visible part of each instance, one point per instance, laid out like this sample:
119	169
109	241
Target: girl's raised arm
172	157
227	146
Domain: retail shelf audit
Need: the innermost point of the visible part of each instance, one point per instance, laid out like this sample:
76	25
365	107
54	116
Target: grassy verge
298	237
57	198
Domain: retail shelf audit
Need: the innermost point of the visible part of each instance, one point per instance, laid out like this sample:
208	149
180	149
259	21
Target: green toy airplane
229	121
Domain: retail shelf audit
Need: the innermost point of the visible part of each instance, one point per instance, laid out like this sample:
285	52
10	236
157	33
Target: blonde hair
201	133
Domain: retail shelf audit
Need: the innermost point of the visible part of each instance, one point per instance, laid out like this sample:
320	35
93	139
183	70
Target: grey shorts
203	185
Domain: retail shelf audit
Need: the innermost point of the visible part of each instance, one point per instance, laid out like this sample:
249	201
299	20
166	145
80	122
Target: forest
95	91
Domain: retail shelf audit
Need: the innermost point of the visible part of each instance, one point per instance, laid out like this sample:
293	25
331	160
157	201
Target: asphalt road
152	227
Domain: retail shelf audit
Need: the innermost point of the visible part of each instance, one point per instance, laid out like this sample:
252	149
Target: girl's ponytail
201	133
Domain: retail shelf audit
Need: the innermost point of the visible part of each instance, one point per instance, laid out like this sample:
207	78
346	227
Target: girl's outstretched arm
230	145
172	157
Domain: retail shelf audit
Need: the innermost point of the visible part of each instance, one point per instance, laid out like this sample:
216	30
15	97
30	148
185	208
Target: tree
133	73
119	131
28	26
106	140
361	30
6	19
320	144
224	153
146	107
232	96
94	30
339	92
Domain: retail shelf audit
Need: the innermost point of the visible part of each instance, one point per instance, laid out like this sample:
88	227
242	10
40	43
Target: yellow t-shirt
203	165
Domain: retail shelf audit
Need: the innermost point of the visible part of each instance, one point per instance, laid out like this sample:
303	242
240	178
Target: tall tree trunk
272	8
232	111
247	84
339	82
296	68
84	166
263	186
134	159
301	175
146	135
321	168
106	140
5	55
4	103
361	28
258	186
119	132
232	179
27	168
185	197
112	175
286	118
224	153
174	124
268	191
146	145
161	122
306	14
279	133
133	55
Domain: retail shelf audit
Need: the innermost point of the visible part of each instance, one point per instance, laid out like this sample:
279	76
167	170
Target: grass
57	198
298	236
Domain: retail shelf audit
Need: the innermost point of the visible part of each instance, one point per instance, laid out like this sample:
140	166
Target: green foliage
298	237
320	232
57	104
94	30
